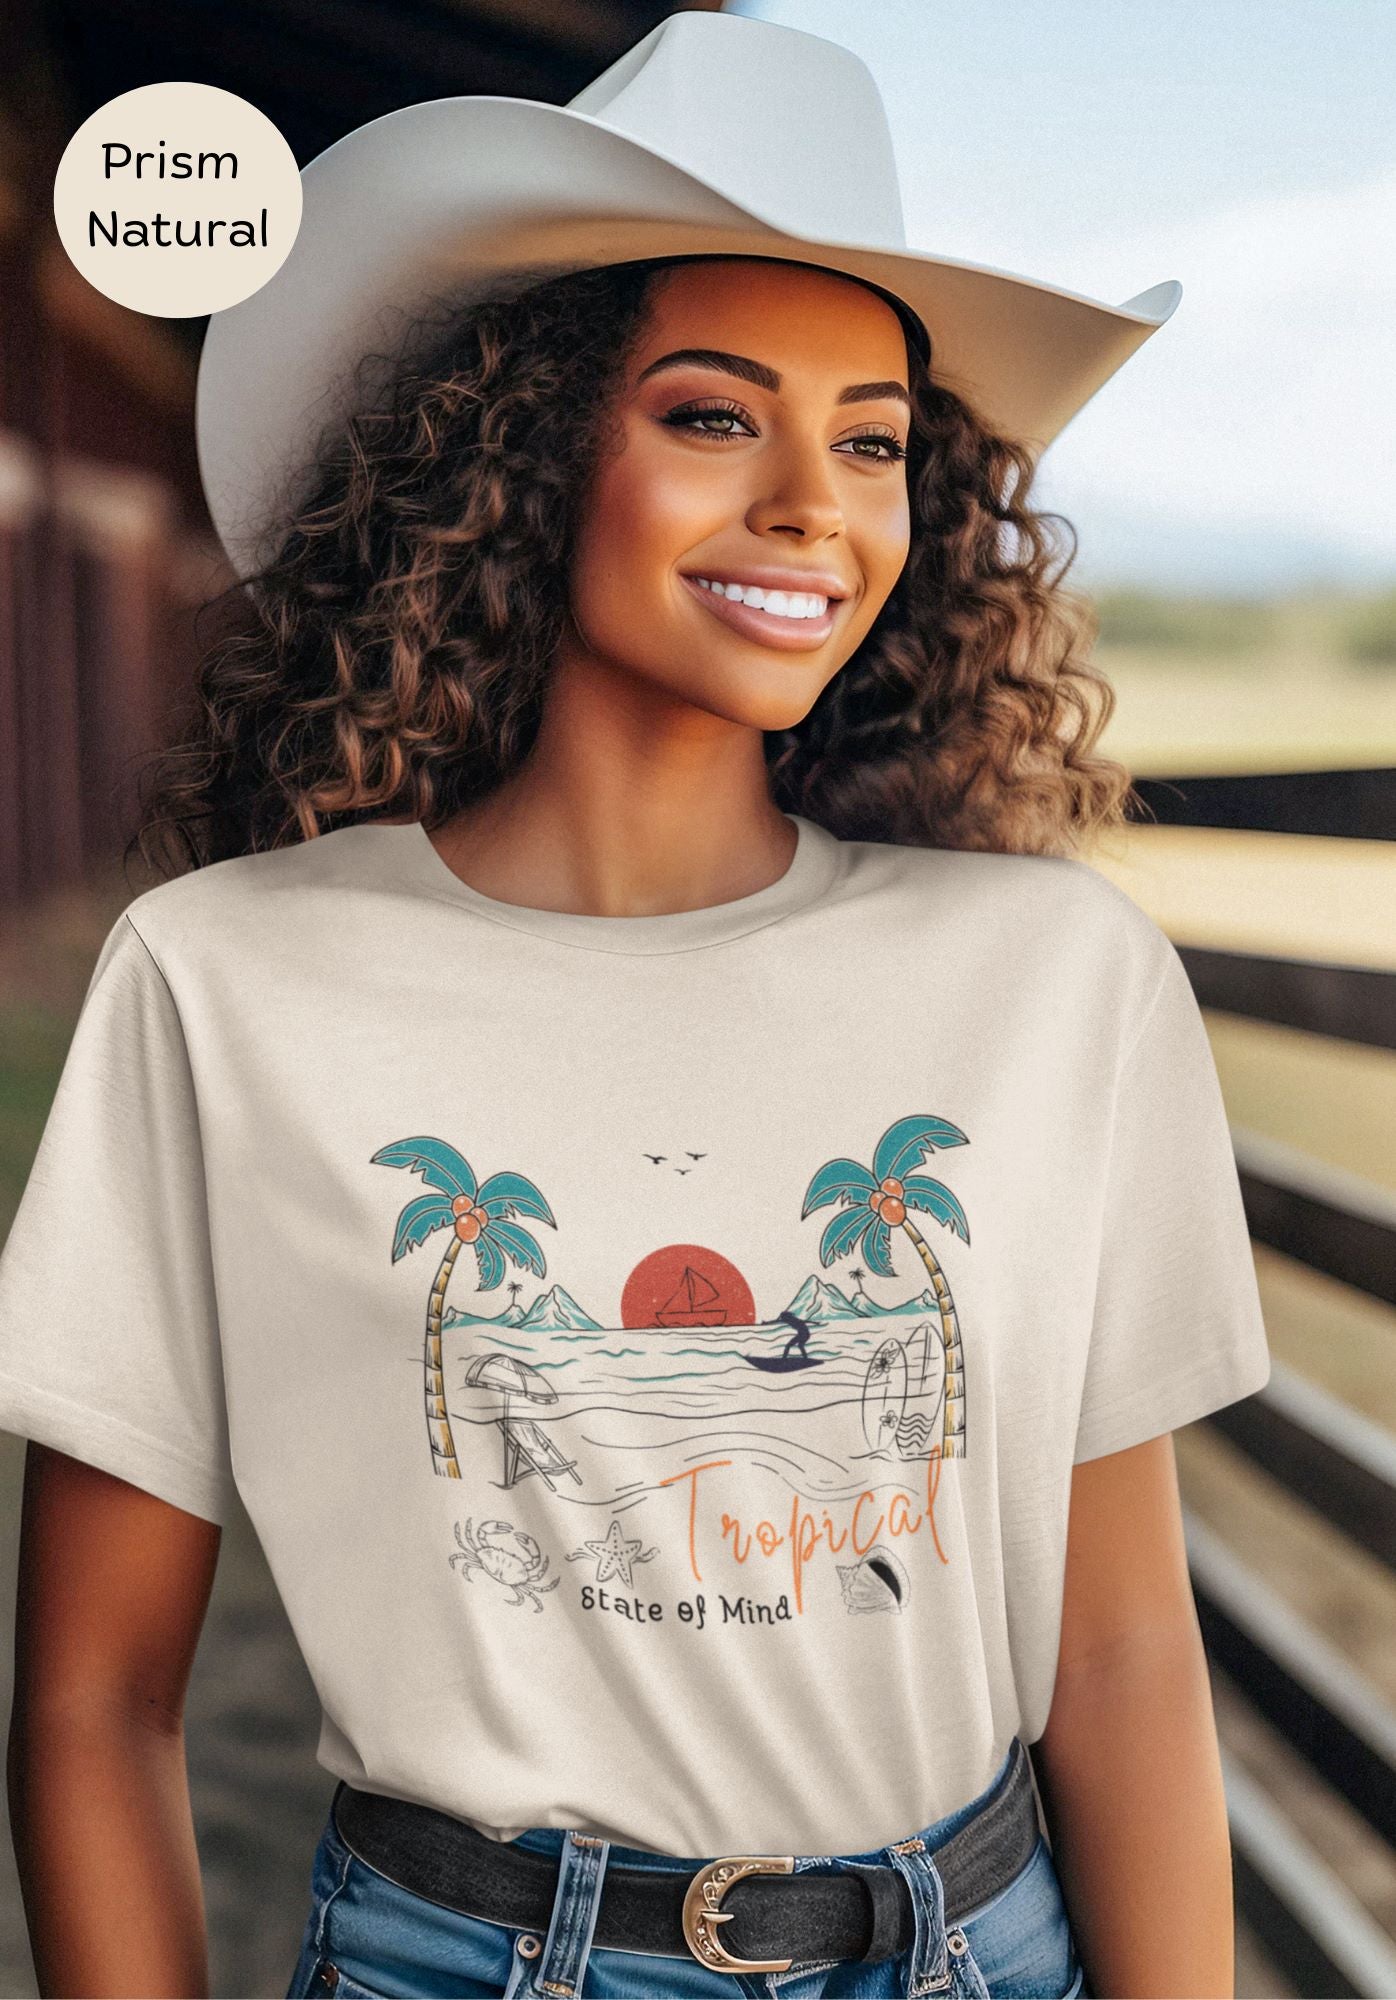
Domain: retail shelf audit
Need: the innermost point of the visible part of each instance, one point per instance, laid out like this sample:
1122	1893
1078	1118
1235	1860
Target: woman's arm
113	1587
1128	1765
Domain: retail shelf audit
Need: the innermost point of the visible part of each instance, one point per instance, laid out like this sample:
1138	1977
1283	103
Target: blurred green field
1354	630
34	1041
1216	685
47	951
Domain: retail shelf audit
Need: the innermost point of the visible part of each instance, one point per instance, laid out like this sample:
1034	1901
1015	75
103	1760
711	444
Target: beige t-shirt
652	1350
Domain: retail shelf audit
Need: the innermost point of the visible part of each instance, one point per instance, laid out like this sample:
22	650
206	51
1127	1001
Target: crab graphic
510	1557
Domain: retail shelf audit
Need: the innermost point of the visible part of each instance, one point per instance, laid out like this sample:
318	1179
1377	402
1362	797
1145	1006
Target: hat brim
442	201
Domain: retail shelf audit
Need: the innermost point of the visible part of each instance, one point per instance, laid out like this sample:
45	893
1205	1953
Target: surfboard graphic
884	1396
921	1344
917	1431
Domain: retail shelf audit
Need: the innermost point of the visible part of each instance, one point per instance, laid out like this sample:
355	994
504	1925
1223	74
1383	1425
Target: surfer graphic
799	1339
795	1353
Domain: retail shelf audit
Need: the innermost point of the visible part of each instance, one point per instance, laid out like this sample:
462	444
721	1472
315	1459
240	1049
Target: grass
48	948
1183	627
1343	631
1224	685
34	1041
1369	636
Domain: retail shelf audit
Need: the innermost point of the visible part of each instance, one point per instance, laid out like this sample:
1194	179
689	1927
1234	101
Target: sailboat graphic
694	1301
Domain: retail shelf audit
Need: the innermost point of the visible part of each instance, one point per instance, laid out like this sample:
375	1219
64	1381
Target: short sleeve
1177	1330
109	1344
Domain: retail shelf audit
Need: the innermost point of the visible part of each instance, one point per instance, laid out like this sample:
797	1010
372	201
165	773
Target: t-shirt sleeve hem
98	1438
1154	1409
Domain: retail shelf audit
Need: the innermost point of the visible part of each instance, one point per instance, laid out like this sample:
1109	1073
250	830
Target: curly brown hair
392	658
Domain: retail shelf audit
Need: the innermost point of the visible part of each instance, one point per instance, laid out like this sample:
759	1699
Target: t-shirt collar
811	873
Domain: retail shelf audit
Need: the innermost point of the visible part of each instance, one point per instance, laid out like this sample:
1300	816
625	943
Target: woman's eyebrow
762	376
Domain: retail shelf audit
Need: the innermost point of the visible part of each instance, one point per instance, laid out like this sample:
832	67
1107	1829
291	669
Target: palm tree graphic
474	1214
876	1202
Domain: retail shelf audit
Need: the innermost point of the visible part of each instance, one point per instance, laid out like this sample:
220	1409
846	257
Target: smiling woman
528	519
797	484
795	596
646	1108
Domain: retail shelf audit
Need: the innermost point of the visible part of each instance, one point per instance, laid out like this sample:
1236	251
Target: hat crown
772	117
716	135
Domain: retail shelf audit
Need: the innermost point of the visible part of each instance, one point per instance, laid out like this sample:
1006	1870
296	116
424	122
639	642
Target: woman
590	982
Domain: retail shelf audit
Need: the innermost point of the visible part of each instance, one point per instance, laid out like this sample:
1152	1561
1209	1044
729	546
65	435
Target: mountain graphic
820	1303
556	1310
458	1316
551	1312
925	1301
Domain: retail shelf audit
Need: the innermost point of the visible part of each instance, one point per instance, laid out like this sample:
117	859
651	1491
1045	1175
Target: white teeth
780	603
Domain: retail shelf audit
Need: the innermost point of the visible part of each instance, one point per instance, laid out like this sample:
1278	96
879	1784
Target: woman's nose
798	492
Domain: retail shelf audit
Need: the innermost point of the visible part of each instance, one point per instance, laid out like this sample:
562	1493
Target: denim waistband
949	1868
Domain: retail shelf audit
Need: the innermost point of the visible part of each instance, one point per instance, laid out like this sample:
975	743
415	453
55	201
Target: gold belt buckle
703	1911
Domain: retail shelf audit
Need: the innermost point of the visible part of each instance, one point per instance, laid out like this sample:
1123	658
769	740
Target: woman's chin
742	684
752	710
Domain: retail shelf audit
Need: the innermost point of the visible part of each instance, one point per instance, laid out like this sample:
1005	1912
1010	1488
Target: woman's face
773	460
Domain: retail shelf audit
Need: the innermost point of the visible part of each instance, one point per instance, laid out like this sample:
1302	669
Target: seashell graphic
878	1583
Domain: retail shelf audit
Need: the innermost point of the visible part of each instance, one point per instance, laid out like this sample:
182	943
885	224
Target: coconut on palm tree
878	1200
477	1213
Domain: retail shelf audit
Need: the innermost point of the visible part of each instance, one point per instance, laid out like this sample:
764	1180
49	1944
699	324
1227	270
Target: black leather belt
858	1911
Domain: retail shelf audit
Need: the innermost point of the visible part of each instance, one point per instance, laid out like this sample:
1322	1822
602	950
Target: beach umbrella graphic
511	1377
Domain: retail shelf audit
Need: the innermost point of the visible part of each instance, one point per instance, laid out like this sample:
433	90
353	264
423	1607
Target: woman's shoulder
1023	896
265	898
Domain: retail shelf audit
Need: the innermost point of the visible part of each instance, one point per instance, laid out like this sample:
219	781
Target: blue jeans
366	1937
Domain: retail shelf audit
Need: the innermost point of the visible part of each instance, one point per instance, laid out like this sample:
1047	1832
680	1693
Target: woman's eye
695	417
689	416
894	452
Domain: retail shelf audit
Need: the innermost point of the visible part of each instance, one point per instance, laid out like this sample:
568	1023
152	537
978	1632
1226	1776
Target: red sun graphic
683	1285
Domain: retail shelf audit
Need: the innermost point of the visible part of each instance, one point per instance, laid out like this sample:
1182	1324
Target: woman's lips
786	635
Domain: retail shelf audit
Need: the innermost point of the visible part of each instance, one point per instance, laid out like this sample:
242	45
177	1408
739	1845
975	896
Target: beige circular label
177	199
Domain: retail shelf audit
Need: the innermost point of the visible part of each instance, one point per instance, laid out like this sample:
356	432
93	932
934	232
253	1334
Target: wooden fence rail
1325	1454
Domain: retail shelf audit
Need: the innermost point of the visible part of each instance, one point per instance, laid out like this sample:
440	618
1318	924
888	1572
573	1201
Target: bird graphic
656	1157
697	1156
683	1170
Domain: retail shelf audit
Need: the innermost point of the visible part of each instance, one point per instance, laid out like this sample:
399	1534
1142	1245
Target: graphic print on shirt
835	1396
499	1550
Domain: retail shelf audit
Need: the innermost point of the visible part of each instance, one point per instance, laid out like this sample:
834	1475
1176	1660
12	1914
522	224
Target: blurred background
1234	495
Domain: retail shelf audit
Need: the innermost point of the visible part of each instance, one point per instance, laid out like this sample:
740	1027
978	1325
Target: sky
1246	148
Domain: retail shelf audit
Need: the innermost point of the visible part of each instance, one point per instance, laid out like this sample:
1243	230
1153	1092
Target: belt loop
929	1970
561	1967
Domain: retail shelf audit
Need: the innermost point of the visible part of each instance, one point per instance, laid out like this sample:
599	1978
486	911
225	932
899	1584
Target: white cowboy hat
716	133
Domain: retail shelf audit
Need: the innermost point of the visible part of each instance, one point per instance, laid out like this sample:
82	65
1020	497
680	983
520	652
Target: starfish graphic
613	1554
